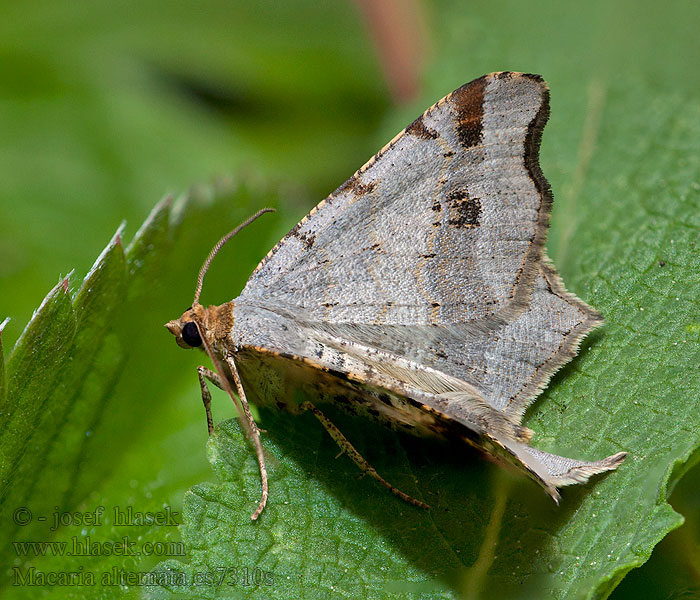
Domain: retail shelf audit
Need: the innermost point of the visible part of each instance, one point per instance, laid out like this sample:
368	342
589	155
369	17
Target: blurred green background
107	106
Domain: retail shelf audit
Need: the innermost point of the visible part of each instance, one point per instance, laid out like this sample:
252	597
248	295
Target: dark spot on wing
437	207
355	186
419	129
464	211
469	104
307	239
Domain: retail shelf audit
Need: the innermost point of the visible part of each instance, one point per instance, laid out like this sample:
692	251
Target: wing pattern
425	273
445	224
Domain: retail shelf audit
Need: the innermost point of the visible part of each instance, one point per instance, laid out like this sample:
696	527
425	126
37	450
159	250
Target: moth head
205	328
214	322
210	323
187	333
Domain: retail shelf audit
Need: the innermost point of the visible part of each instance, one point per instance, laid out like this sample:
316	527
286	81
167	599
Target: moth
418	293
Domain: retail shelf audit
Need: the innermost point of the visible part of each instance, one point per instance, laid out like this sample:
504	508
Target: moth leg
202	373
254	433
349	449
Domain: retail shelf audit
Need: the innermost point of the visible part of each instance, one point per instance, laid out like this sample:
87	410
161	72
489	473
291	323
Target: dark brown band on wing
532	156
469	103
531	160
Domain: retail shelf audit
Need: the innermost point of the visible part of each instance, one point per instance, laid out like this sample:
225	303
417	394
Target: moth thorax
218	321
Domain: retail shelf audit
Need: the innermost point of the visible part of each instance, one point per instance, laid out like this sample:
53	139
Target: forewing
445	225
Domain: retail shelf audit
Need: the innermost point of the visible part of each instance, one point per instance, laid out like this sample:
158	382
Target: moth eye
190	335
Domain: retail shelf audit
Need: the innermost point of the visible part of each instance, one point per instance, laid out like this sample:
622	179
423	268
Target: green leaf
81	433
108	104
624	236
2	364
32	370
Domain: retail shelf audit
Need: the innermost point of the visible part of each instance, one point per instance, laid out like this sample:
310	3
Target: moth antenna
219	245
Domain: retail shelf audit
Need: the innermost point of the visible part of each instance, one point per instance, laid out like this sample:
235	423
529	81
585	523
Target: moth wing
425	274
435	403
444	225
541	340
507	365
552	471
